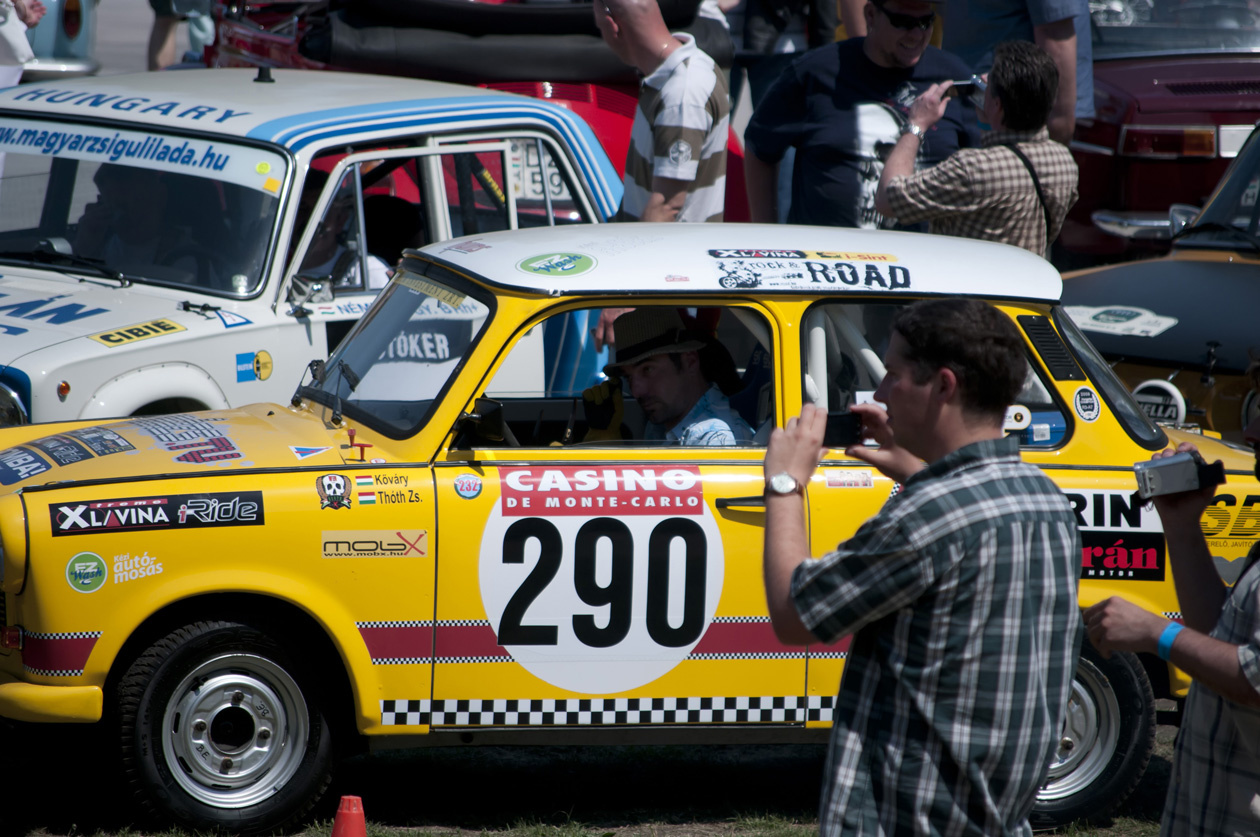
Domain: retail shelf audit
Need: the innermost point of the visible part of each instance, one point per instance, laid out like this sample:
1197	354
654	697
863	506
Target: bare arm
761	183
926	111
853	18
666	201
1058	39
795	449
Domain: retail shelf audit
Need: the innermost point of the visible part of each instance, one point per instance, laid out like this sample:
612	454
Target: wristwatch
783	484
911	128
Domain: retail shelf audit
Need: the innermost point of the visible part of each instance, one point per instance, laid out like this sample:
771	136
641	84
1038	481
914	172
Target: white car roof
701	258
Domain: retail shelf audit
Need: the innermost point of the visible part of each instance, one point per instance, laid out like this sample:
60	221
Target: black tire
221	730
1107	739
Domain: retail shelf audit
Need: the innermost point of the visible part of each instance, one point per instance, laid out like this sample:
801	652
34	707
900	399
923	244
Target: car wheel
1108	735
221	730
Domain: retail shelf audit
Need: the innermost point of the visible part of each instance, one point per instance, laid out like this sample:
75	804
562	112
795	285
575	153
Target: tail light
72	18
1168	142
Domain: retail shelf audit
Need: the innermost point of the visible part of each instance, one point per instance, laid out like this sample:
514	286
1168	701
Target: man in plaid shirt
1215	787
960	594
1017	188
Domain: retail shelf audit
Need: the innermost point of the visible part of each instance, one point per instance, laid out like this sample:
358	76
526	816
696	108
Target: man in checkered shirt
989	192
960	594
1215	787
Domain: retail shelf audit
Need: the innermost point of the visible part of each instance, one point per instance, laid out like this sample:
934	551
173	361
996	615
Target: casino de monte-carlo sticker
600	579
1121	536
1088	405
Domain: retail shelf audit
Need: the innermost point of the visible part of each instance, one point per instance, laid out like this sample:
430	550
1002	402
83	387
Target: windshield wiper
1217	226
54	251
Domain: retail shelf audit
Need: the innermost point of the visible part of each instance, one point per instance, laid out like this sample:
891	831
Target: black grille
1239	87
1050	346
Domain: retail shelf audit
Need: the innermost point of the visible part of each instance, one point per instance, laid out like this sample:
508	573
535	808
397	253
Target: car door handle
755	501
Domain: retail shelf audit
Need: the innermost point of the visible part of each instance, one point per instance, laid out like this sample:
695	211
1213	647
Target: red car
1177	92
550	51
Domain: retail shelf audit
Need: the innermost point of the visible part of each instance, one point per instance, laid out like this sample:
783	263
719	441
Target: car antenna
264	76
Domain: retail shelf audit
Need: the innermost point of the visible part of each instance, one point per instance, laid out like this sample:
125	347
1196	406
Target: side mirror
1179	215
304	290
486	420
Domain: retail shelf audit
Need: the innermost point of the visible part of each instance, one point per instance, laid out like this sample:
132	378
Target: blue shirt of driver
710	422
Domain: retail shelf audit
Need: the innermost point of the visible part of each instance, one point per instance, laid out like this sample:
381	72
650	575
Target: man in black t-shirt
843	107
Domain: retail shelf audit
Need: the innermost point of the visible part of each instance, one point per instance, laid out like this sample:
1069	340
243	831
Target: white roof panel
700	258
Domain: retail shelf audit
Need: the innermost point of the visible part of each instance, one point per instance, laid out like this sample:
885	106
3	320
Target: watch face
783	484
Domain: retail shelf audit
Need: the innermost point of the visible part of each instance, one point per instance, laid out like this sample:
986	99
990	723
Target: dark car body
1182	330
1176	93
64	41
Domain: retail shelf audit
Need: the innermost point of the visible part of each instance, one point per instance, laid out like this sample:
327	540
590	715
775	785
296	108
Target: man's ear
944	384
869	14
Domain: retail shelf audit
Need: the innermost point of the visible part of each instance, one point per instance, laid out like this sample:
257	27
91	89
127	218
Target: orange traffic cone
349	820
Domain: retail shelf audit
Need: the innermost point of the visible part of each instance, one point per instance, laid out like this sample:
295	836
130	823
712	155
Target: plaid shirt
961	595
1215	787
987	192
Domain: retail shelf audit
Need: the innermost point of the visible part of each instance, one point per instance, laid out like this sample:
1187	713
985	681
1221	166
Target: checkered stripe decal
1174	615
607	711
57	654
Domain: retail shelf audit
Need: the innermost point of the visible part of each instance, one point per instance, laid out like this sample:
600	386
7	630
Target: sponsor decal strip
788	709
173	511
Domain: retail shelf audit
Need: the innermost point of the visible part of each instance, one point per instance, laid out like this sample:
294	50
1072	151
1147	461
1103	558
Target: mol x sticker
600	579
375	543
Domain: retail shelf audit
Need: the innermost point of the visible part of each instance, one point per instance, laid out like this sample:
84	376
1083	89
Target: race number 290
600	600
609	586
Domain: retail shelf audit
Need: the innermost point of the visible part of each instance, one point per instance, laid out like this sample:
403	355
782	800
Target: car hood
39	309
257	436
1170	311
1171	85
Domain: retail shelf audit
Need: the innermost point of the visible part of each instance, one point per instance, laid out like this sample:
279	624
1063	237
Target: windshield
395	364
1232	215
1123	28
1126	410
142	206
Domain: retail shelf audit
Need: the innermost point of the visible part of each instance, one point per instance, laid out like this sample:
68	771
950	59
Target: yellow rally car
421	548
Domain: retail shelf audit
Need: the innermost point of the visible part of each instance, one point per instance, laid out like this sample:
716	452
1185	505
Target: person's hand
30	12
604	410
894	462
1185	507
603	330
1115	624
797	447
930	106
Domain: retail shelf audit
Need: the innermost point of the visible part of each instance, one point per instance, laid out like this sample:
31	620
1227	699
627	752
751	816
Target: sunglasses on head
900	21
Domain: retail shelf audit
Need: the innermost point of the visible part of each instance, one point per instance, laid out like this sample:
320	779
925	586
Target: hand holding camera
1180	483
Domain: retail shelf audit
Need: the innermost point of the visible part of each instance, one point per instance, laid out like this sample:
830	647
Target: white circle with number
597	587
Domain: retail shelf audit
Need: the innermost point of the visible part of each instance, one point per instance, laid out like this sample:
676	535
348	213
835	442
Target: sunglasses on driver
907	22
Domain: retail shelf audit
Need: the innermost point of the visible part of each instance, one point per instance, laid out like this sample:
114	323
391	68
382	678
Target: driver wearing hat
679	377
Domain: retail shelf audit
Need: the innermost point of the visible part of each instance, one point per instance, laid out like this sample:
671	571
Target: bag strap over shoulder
1041	197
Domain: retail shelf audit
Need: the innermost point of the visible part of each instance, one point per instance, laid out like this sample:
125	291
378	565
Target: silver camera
1177	473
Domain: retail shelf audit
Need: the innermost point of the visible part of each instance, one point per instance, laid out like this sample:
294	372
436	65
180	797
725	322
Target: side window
476	192
843	349
544	196
376	213
668	398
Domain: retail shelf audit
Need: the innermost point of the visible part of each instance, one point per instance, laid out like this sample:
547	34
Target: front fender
129	392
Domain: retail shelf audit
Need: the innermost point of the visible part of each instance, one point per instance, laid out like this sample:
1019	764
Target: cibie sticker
1087	404
600	580
86	572
557	264
468	486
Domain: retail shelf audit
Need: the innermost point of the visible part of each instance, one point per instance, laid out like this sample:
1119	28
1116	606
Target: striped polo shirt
680	132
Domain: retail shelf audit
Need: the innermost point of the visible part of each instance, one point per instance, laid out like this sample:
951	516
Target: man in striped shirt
676	164
960	594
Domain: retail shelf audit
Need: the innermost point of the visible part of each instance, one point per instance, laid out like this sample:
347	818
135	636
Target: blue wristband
1166	639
